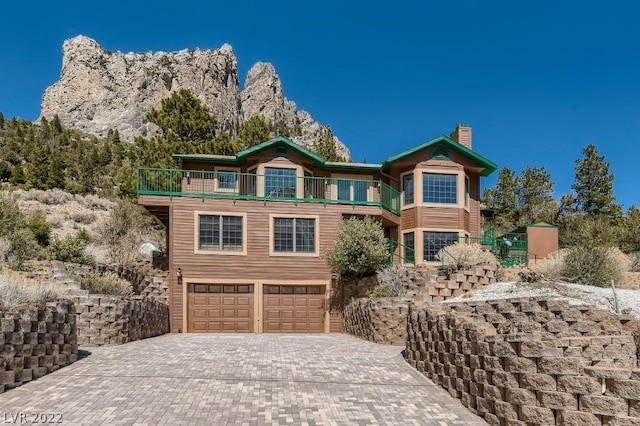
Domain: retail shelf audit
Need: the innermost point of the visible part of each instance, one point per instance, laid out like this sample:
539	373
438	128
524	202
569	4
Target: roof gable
488	165
283	142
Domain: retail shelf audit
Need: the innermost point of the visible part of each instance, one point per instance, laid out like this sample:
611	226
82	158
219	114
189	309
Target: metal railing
250	186
406	255
511	249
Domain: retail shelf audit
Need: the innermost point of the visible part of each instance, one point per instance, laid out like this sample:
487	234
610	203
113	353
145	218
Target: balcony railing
269	187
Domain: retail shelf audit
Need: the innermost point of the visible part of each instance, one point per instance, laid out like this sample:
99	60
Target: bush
106	284
124	231
40	228
595	266
23	246
71	249
15	292
84	218
392	281
464	256
361	248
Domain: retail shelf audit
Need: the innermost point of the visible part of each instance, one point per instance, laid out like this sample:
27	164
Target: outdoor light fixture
179	275
188	183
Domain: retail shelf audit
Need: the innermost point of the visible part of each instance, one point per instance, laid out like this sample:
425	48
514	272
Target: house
246	233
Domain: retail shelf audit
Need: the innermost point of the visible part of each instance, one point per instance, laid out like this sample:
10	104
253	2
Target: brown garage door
220	308
293	309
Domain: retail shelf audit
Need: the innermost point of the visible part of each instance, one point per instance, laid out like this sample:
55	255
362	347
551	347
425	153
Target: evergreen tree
594	185
254	131
535	195
503	199
326	147
183	115
1	120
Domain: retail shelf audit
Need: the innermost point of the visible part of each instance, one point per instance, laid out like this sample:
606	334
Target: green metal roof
211	158
488	165
280	140
339	165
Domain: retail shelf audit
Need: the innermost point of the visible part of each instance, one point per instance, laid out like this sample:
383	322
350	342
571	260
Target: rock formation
100	90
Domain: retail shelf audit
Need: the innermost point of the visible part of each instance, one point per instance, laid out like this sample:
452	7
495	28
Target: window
407	188
440	153
227	179
280	183
220	233
434	241
466	191
439	188
294	235
409	249
352	190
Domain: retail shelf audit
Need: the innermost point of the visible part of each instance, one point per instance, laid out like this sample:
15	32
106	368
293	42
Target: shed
542	238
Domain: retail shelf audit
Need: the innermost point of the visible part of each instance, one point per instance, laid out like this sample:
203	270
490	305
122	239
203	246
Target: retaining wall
114	320
35	341
530	361
380	321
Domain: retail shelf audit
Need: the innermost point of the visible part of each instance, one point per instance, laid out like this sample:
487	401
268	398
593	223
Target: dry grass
15	291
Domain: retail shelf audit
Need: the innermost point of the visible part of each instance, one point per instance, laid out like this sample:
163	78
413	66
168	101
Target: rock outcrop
100	90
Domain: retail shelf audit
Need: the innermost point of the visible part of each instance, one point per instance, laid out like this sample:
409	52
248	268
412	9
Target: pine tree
503	198
254	131
183	115
535	195
1	120
594	185
326	147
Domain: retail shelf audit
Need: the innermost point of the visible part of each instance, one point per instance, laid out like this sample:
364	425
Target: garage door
216	308
293	309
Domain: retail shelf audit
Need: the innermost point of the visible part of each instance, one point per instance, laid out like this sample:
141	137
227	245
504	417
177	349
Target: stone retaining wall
114	320
35	341
530	361
380	321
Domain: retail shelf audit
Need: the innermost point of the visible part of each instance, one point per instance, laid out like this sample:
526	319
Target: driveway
252	379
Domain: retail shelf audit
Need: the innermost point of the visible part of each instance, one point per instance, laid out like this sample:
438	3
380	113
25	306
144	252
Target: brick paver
254	379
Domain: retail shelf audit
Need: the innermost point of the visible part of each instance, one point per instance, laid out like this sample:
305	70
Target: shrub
361	248
71	249
634	262
40	228
14	292
124	231
464	256
595	266
23	246
106	284
393	280
84	218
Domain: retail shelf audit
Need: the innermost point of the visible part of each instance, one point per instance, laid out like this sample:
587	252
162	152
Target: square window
294	235
435	241
280	183
220	233
439	188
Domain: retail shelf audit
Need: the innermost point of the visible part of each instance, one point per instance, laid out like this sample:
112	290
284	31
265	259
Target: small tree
594	185
326	146
361	248
254	131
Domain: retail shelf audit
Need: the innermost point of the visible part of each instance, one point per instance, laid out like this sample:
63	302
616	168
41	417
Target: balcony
268	187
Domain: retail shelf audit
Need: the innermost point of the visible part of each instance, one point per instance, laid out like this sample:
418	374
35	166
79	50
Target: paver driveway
240	379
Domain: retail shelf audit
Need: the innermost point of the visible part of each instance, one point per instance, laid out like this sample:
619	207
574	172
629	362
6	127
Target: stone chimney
462	135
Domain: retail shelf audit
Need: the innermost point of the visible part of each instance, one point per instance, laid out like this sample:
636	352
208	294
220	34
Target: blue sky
537	81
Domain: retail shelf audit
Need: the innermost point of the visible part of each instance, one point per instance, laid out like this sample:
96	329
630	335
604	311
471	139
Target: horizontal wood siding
439	217
474	207
408	219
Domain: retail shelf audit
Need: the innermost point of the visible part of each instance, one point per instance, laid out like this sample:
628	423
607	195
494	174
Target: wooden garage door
293	309
220	308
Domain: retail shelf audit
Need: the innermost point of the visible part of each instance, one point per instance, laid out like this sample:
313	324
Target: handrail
401	255
266	187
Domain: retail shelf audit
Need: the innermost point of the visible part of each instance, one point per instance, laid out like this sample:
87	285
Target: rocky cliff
100	90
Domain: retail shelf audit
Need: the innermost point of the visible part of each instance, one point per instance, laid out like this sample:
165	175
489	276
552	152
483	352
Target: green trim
536	225
351	166
488	165
280	140
207	158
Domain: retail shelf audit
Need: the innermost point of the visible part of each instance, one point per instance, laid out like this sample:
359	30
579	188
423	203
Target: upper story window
439	188
352	190
220	233
279	182
294	235
466	191
407	188
440	153
227	179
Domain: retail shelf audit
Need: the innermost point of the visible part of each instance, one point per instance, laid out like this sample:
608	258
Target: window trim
415	193
440	172
272	252
196	233
216	183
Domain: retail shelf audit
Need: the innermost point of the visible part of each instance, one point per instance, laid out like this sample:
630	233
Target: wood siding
474	205
257	265
408	218
439	217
